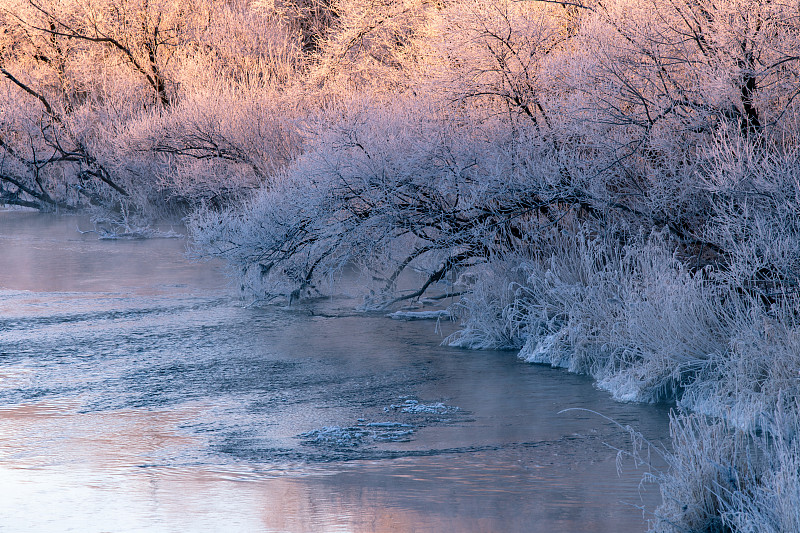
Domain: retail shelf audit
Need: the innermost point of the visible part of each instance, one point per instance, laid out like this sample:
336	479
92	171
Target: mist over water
138	393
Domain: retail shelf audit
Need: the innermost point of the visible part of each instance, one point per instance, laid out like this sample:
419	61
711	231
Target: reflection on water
136	394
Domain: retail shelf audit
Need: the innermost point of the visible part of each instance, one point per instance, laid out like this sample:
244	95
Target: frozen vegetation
612	187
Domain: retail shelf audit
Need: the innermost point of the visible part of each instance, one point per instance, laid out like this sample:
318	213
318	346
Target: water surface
138	393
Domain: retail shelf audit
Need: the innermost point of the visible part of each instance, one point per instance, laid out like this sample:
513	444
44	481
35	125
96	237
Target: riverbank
648	330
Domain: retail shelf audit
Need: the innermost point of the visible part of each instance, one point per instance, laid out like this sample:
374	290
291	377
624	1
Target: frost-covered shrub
756	212
757	372
723	478
215	145
670	323
630	315
770	504
493	309
710	461
548	308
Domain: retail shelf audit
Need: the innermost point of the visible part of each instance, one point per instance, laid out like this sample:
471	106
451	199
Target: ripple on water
136	396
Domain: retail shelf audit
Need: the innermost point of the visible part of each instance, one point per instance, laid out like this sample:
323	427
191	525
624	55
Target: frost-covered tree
67	66
94	92
390	190
664	82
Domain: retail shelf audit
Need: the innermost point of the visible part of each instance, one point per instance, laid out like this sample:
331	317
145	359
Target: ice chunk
420	315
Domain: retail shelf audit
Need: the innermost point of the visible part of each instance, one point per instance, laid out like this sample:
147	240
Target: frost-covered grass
722	478
633	318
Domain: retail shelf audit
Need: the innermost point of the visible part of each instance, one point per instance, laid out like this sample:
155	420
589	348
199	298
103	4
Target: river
139	393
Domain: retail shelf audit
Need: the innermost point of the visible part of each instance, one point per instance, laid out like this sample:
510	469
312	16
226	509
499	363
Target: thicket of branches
613	185
142	106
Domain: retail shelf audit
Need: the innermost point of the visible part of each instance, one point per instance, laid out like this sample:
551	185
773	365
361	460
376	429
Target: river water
138	393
